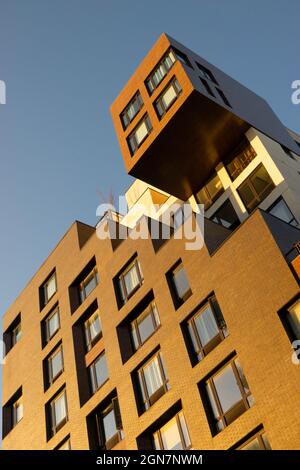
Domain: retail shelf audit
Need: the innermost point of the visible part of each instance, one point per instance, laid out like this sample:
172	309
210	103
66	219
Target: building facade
140	343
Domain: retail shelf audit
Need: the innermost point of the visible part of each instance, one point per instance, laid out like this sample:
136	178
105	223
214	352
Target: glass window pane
282	211
18	411
181	282
131	279
53	323
214	187
169	96
227	388
247	195
146	327
60	409
51	287
226	216
260	179
95	326
56	363
141	132
109	425
252	445
206	326
101	370
153	376
171	436
184	429
293	318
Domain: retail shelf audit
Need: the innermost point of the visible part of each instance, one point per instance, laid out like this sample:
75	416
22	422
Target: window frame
262	441
151	309
177	299
283	315
256	200
146	400
241	157
158	432
121	282
47	335
203	351
52	378
93	373
159	102
137	97
14	334
15	405
293	219
89	341
206	74
55	427
104	443
215	215
92	275
237	409
210	199
132	142
151	89
47	299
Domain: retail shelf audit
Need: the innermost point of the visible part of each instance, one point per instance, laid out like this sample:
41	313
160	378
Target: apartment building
138	343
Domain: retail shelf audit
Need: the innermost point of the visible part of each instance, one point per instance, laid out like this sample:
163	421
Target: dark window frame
146	400
241	157
51	378
44	299
55	427
177	300
92	276
134	325
215	215
223	97
162	63
279	199
256	200
211	199
93	374
159	103
207	87
185	446
9	337
206	73
283	313
126	121
132	142
120	282
89	341
113	405
46	336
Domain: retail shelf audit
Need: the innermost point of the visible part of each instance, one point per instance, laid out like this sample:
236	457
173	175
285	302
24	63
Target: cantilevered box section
179	116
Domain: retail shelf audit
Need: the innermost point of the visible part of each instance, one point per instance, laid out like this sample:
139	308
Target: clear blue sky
64	61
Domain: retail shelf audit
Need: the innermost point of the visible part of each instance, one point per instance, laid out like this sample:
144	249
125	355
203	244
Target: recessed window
257	441
105	425
291	320
48	289
98	372
183	58
152	380
239	159
281	210
173	435
130	279
288	152
54	365
50	325
227	394
179	284
12	334
210	192
92	330
205	329
168	97
160	71
12	412
84	284
65	444
131	110
139	134
223	97
144	325
207	87
206	73
88	284
226	216
256	188
57	411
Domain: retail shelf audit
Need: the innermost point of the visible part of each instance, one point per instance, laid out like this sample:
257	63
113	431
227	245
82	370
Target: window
205	329
206	73
226	216
50	325
92	330
83	285
144	325
160	71
223	97
291	320
183	58
167	98
239	159
173	435
17	411
48	289
258	441
65	444
179	284
55	364
153	381
228	395
98	372
281	210
12	334
256	188
131	110
207	87
58	412
210	192
88	284
129	280
109	430
139	134
288	152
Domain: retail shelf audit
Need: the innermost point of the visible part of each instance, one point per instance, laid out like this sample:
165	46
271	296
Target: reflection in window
98	372
256	188
88	284
228	394
130	280
226	216
92	330
131	110
153	381
144	325
281	210
167	98
209	193
179	284
173	435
